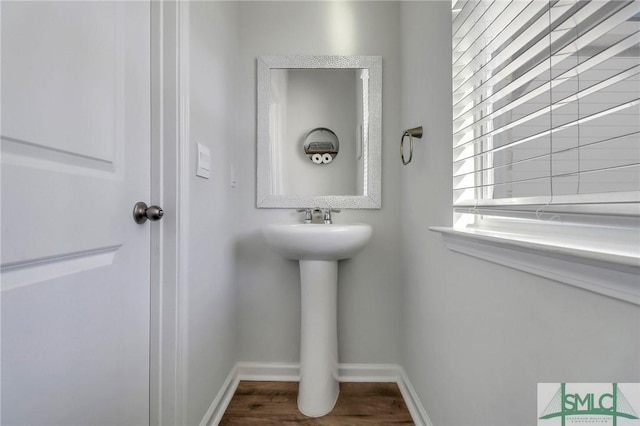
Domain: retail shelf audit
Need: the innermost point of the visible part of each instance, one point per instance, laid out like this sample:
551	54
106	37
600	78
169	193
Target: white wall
479	337
369	299
210	312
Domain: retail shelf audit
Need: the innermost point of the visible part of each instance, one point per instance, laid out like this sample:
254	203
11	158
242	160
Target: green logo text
612	404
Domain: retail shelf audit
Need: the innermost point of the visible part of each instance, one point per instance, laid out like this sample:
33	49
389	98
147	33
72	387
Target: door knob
141	212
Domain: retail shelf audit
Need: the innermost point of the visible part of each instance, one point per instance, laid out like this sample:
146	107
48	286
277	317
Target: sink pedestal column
318	391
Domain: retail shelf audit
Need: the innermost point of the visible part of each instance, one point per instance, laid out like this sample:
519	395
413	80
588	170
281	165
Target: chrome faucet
326	214
308	214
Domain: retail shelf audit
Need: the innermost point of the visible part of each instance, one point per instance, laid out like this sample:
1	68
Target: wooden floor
274	403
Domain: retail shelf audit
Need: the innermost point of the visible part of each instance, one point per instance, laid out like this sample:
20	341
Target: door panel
75	147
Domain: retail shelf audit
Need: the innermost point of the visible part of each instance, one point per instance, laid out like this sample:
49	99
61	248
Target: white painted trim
221	402
290	372
601	276
184	179
166	238
268	372
1	209
157	276
385	373
416	409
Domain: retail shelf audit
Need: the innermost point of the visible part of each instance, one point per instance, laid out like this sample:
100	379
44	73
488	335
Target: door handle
141	213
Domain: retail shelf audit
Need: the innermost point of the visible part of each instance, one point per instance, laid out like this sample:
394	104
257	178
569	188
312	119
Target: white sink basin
311	241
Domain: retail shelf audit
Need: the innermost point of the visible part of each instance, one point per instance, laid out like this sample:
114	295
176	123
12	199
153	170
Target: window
546	128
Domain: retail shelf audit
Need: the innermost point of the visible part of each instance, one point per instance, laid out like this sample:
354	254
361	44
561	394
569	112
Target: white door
75	159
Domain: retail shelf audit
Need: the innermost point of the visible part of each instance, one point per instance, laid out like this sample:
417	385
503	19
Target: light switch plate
204	162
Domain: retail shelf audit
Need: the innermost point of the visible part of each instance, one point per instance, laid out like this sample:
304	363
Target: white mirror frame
372	151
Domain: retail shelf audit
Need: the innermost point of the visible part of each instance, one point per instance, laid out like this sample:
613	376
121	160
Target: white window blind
546	108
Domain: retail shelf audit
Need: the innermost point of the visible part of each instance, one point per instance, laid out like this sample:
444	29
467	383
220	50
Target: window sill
612	275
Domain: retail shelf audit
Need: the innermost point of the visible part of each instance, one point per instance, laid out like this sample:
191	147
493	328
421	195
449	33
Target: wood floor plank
275	403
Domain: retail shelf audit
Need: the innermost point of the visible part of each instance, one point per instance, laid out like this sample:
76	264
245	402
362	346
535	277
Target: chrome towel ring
416	132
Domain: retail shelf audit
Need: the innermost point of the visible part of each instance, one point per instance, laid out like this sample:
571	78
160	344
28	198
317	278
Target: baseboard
268	372
281	372
418	413
219	405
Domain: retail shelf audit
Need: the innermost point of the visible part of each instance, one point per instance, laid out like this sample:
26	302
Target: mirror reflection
303	100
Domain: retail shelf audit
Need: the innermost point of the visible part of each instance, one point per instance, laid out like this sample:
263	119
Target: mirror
309	109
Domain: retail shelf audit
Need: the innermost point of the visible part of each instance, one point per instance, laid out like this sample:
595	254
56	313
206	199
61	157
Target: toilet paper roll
316	158
327	158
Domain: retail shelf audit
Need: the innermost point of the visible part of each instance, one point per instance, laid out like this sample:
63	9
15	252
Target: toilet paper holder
321	145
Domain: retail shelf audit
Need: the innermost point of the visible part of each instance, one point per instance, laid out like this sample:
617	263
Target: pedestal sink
318	247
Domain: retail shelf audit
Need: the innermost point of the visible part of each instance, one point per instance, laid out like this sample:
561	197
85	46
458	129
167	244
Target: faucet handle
327	215
308	214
